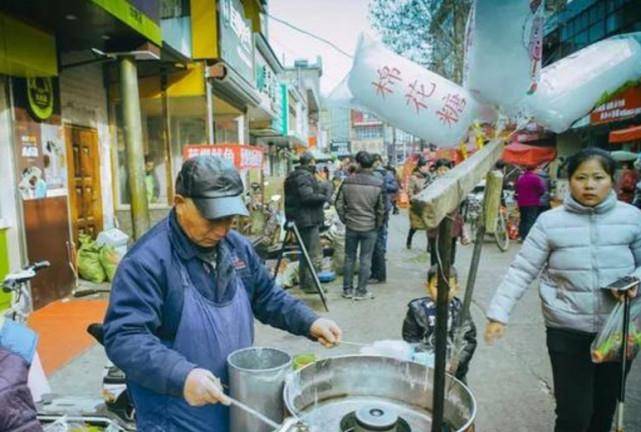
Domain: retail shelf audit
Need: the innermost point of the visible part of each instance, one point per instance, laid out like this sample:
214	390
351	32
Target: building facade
574	26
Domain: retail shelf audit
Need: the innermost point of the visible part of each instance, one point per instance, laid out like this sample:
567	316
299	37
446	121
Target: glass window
174	8
580	40
614	22
597	12
596	32
226	129
187	125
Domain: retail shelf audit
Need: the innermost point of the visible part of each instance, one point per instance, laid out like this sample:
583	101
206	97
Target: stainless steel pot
256	378
325	393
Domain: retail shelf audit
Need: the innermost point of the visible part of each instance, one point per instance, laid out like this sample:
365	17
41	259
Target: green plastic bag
89	266
109	259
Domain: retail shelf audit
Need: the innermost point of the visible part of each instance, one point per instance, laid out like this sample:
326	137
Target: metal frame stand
624	360
291	229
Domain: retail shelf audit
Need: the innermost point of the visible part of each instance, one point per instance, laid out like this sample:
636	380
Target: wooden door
85	200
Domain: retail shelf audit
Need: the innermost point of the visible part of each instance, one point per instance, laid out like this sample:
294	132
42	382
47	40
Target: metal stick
253	412
353	343
444	256
624	361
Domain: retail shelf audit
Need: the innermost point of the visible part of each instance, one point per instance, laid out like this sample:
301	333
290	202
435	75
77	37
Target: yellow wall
25	50
252	12
188	83
204	29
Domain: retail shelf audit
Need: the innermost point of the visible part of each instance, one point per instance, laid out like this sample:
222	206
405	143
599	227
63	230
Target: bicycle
57	413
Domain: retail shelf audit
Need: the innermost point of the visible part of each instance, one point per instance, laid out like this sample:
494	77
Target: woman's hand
620	295
494	330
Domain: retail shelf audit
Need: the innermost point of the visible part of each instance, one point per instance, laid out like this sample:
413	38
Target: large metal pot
330	393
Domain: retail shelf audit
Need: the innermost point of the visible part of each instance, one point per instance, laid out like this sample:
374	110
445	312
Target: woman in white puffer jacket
578	249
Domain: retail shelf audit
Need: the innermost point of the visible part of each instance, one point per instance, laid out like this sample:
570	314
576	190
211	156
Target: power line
310	35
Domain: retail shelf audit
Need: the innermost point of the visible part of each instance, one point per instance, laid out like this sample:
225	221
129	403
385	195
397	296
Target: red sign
242	156
624	105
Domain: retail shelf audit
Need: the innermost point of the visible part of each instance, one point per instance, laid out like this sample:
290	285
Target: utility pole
133	143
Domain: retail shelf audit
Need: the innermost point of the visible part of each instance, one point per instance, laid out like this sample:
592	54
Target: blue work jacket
147	298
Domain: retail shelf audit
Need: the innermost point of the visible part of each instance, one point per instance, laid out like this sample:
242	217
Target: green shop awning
26	50
107	25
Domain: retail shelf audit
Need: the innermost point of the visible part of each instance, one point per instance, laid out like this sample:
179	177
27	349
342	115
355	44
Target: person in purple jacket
529	188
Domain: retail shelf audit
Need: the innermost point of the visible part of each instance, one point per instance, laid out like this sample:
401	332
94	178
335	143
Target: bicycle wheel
501	234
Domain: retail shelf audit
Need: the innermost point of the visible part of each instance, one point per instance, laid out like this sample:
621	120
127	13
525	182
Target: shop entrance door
85	200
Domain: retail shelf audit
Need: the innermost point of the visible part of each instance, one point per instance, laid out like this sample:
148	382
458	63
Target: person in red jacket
529	188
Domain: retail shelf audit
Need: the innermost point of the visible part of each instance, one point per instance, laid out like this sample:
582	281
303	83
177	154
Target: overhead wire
312	35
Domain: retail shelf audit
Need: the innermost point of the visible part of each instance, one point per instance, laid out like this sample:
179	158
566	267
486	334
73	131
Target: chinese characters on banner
409	96
242	156
417	93
387	77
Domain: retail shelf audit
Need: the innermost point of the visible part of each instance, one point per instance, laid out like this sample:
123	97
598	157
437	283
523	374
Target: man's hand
326	331
494	330
202	388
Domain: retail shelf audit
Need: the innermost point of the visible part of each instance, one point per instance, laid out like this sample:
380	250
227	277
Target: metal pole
624	362
133	144
211	137
444	255
169	157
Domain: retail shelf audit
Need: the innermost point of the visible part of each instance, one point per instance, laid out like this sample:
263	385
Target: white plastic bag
410	97
606	346
570	88
504	40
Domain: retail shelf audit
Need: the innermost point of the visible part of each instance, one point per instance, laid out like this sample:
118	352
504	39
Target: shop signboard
625	105
242	156
236	39
266	82
340	148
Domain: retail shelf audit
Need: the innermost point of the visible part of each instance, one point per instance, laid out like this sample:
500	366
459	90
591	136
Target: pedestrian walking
390	186
185	297
419	325
626	184
361	207
441	167
580	247
528	190
544	202
394	196
419	180
305	197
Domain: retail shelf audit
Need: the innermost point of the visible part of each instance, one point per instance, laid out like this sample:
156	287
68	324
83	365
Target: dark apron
208	332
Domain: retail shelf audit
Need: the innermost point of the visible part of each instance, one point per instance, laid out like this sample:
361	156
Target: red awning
624	135
528	155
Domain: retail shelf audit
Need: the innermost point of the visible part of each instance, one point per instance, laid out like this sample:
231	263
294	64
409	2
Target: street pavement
511	380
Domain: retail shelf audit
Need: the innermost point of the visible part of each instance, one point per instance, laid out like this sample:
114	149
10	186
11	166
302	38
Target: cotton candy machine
361	393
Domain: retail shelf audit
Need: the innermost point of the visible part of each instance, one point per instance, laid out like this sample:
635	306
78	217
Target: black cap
214	185
306	158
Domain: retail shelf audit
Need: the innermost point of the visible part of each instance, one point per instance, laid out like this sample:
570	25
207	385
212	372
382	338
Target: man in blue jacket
185	297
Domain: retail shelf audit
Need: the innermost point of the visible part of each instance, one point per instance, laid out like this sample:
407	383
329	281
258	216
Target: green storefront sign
5	298
133	17
40	97
284	109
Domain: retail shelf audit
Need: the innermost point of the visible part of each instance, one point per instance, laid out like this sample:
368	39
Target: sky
339	21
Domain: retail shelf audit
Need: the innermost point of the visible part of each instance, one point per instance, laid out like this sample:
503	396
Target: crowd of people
192	278
590	240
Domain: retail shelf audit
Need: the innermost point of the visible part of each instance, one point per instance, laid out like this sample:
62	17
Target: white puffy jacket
578	251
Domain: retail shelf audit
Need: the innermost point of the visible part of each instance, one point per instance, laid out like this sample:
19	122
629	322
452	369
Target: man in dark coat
305	197
360	204
390	187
